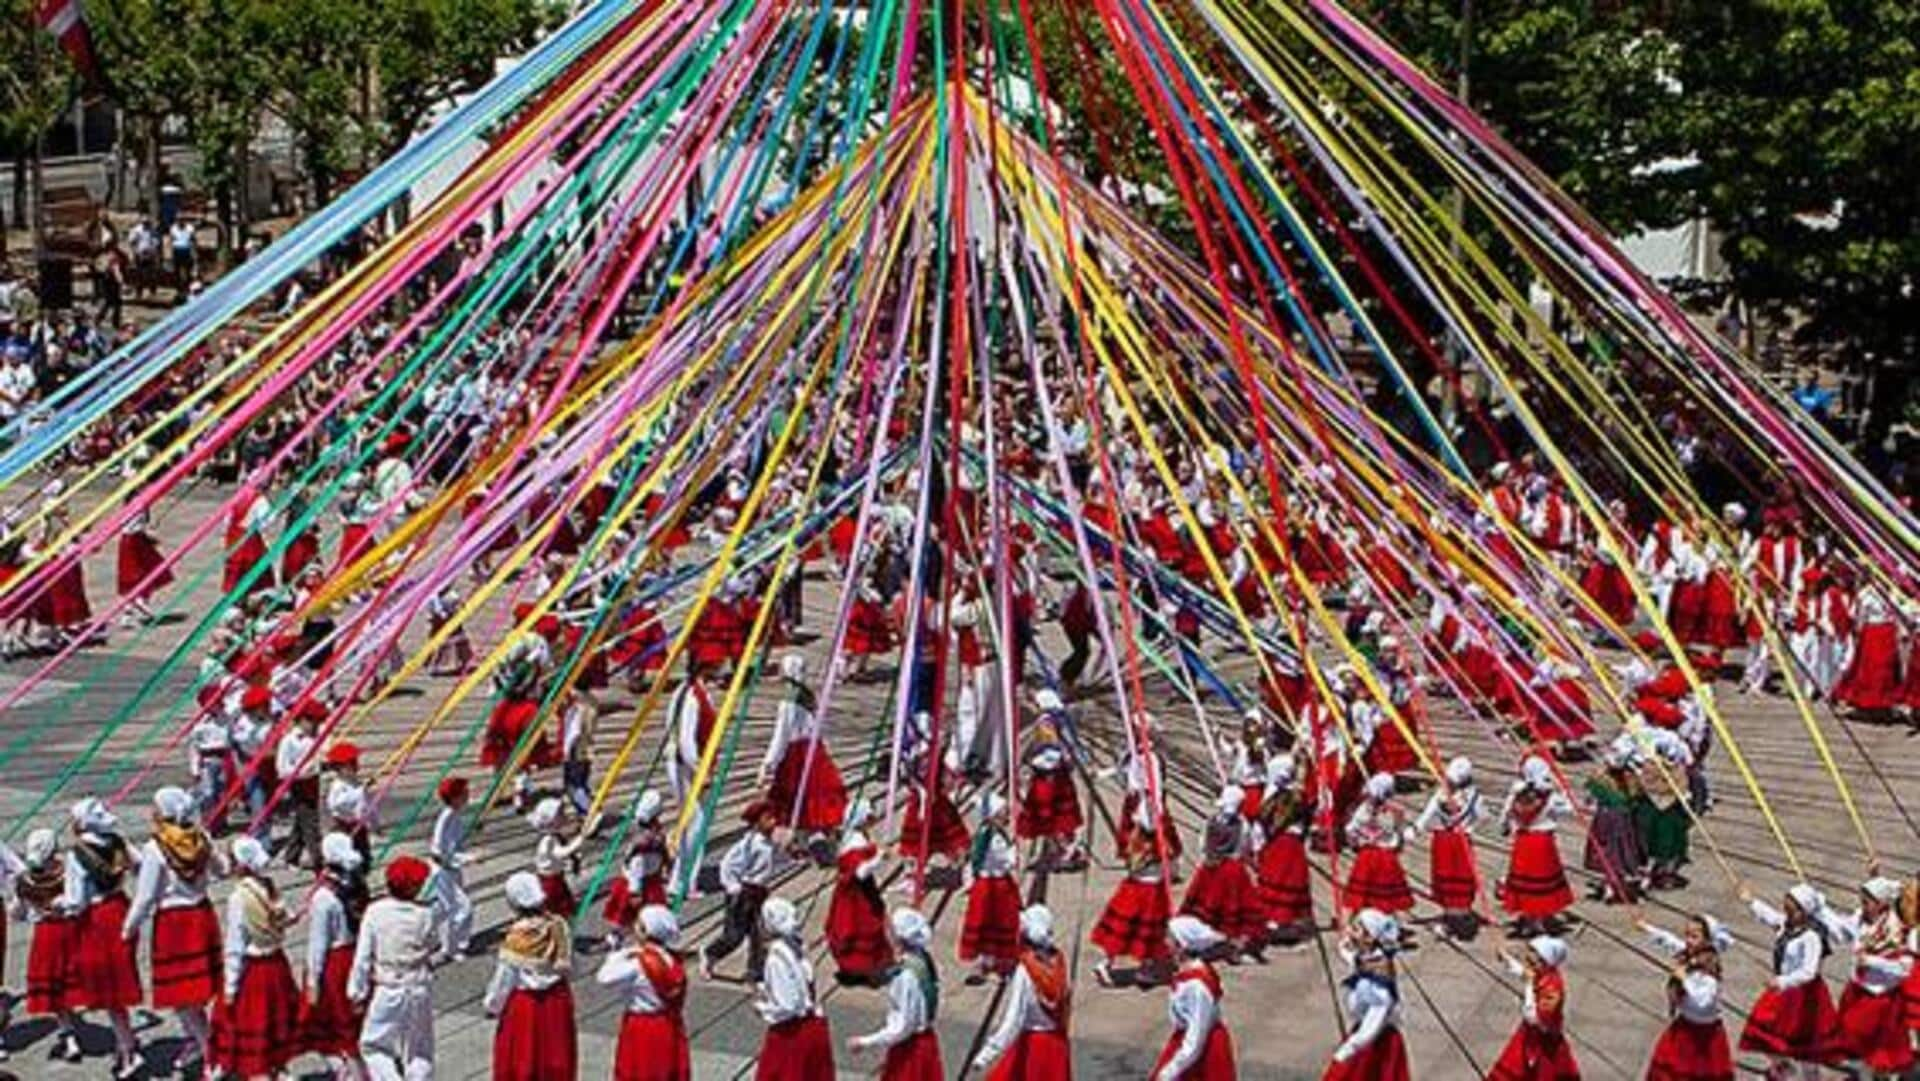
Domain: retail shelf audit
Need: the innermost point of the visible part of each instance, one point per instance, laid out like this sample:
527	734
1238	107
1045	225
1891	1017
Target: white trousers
397	1037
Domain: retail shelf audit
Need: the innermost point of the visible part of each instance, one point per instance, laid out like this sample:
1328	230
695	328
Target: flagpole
36	175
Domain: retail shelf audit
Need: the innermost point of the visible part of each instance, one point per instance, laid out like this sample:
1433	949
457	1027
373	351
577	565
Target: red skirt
1134	923
1051	807
300	553
823	803
560	899
1456	877
1610	591
1216	1056
506	726
353	541
104	969
856	928
1873	1029
1797	1024
187	963
140	556
1534	1054
653	1047
1385	1059
950	836
535	1039
329	1021
1536	883
1223	896
1035	1056
868	630
916	1058
1686	612
1284	879
1720	624
799	1050
66	600
1911	992
1377	881
1691	1052
991	930
1872	679
1390	752
258	1031
622	907
49	978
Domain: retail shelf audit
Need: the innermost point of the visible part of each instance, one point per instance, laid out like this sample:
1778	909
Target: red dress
1455	874
1873	1030
1134	923
1041	1054
65	603
187	962
103	968
1610	590
797	1050
1539	1049
329	1020
653	1046
916	1058
950	837
535	1039
1536	883
139	556
1385	1059
1872	678
1798	1023
506	726
856	925
1051	807
258	1031
49	982
823	802
869	631
1216	1055
990	930
1222	894
1691	1051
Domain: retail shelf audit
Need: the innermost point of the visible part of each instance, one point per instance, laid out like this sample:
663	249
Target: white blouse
1193	1011
327	929
1374	1010
1699	1002
622	971
906	1012
786	985
1799	959
1022	1013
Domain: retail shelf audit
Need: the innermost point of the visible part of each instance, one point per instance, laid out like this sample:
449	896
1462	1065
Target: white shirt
1799	962
1875	971
622	971
157	886
748	863
551	854
1459	810
1022	1013
906	1012
397	940
1193	1012
996	860
1373	1010
1699	1002
449	837
786	985
293	759
686	714
792	721
326	928
239	943
509	977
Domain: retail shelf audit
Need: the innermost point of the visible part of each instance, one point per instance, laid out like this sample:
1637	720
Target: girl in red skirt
988	934
1793	1021
949	838
535	1038
176	865
1539	1049
653	1035
1608	587
1693	1047
642	880
553	854
1375	1050
909	1038
1221	893
856	927
38	886
102	970
1376	832
1050	811
256	1027
798	1044
1448	820
1282	876
1134	923
1030	1043
1200	1048
799	773
139	556
1873	1016
329	1019
1871	682
1535	889
869	627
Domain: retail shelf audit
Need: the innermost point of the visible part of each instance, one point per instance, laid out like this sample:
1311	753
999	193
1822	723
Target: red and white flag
66	20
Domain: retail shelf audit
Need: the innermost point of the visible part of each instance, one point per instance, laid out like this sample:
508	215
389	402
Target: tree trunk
20	188
150	155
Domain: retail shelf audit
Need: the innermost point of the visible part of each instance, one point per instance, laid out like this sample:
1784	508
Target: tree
35	84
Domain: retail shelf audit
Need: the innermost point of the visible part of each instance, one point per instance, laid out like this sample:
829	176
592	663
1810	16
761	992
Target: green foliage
29	99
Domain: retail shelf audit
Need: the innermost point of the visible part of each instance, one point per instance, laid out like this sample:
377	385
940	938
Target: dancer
39	886
554	853
799	774
103	967
531	993
1613	850
1448	820
1199	1048
1539	1049
1283	876
652	979
1050	813
988	934
453	909
329	1019
1693	1047
1134	923
1376	833
256	1030
1221	893
746	875
1374	1050
798	1045
140	568
1793	1023
856	926
176	865
1030	1043
392	977
1873	1022
1535	890
642	880
913	998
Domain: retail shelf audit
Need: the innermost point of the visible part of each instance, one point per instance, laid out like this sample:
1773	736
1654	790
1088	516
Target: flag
67	22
